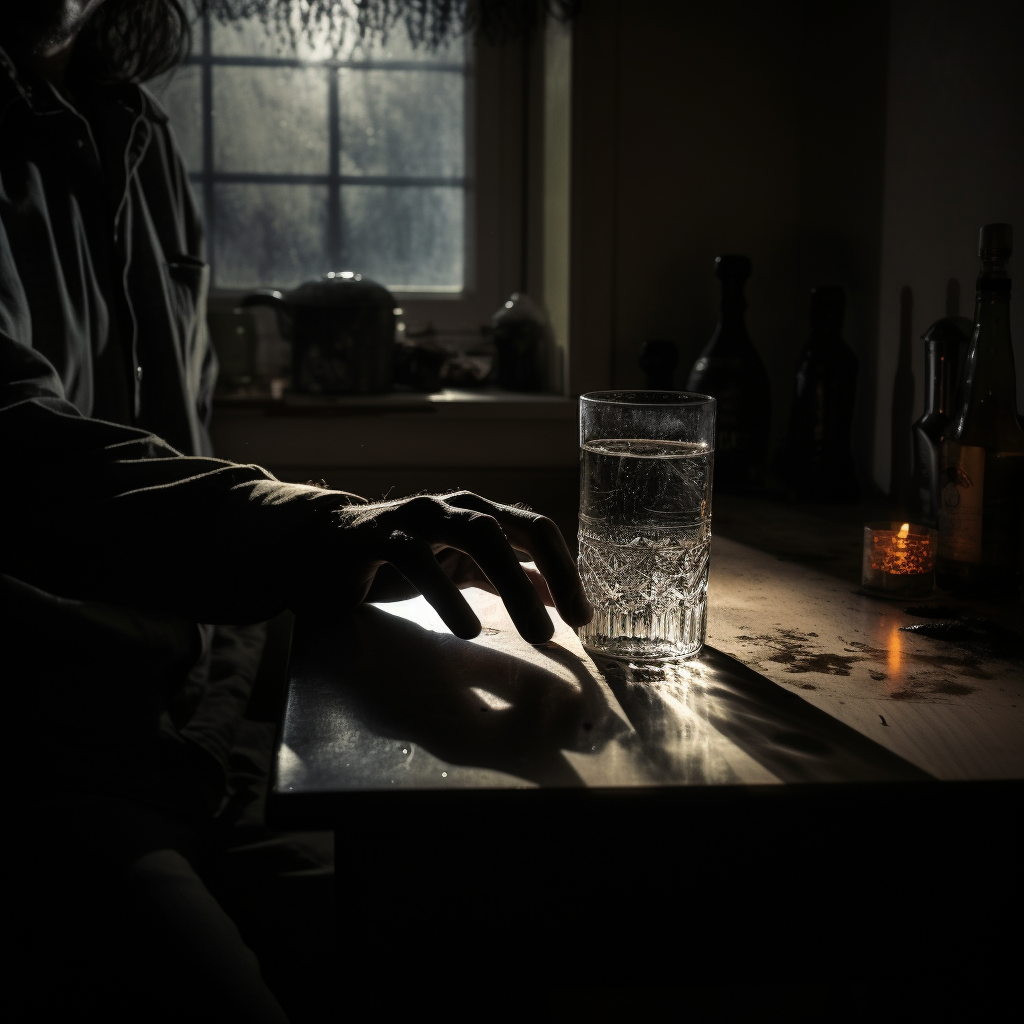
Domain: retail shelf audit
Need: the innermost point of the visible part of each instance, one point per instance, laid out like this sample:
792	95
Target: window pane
398	47
179	92
247	37
270	120
402	123
407	238
269	234
197	195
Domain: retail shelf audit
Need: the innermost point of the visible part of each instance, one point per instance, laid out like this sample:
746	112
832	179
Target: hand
443	542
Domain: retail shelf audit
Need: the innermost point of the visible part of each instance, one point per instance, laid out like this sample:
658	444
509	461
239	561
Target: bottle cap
996	241
733	267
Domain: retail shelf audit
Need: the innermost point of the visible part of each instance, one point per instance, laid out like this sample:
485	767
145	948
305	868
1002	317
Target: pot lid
343	288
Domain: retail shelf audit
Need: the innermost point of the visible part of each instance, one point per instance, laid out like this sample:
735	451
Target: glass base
631	648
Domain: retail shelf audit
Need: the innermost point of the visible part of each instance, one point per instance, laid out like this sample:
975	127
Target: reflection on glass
270	120
284	228
407	238
178	92
402	123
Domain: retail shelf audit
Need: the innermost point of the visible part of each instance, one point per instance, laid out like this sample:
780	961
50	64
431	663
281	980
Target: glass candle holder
899	559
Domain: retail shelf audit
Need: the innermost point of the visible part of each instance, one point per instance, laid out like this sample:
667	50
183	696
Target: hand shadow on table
465	702
678	708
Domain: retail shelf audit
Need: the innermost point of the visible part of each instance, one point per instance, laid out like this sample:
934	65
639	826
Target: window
306	161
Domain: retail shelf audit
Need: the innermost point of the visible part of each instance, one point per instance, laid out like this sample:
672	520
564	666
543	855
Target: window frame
494	182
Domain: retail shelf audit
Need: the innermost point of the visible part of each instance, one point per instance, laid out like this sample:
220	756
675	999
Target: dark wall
843	96
741	127
954	161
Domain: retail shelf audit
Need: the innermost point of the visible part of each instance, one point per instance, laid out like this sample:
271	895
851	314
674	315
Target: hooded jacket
122	532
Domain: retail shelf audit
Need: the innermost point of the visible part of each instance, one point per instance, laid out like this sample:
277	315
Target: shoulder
163	147
151	107
162	132
131	100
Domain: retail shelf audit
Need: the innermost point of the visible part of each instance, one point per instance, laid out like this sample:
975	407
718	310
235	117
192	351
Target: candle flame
904	531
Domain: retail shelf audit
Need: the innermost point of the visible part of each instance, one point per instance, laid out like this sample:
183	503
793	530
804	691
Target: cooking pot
342	332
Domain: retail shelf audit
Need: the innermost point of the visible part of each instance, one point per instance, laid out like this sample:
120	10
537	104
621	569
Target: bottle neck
941	365
990	388
733	309
826	333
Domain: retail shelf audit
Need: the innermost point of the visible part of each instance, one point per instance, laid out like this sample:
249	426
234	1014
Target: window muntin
306	161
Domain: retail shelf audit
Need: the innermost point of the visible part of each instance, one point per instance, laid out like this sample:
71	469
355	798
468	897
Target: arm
110	513
106	512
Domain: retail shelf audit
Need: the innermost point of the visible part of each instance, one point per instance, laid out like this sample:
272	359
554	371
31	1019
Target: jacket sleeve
100	511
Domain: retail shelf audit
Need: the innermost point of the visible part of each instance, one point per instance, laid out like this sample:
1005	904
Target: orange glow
900	553
894	656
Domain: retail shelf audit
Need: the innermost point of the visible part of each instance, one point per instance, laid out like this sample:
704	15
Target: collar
42	98
11	85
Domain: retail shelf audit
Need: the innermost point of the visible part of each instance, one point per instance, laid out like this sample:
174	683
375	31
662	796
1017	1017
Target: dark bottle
730	370
946	344
818	458
982	500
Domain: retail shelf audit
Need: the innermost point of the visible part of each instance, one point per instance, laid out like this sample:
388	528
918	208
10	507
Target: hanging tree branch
428	23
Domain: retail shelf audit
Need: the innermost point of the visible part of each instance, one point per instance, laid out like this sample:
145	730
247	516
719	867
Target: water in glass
645	535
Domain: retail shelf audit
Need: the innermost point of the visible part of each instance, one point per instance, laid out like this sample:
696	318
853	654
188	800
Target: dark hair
132	41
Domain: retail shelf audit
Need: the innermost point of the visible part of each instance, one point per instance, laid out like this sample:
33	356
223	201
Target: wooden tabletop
819	795
787	603
805	680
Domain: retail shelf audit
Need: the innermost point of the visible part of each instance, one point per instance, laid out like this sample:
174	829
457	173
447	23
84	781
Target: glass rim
680	399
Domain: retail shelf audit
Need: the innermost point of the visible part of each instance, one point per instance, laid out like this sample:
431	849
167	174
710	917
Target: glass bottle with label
730	370
981	516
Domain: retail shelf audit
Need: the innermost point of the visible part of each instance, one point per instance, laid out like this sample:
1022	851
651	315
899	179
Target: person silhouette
132	593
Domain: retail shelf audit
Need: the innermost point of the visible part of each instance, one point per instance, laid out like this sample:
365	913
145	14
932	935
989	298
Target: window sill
489	403
304	435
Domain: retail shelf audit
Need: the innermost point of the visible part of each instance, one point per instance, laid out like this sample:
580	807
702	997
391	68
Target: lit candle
896	559
899	559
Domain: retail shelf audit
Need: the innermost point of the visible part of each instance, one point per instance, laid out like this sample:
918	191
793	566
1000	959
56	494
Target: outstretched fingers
479	536
414	559
543	541
409	532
